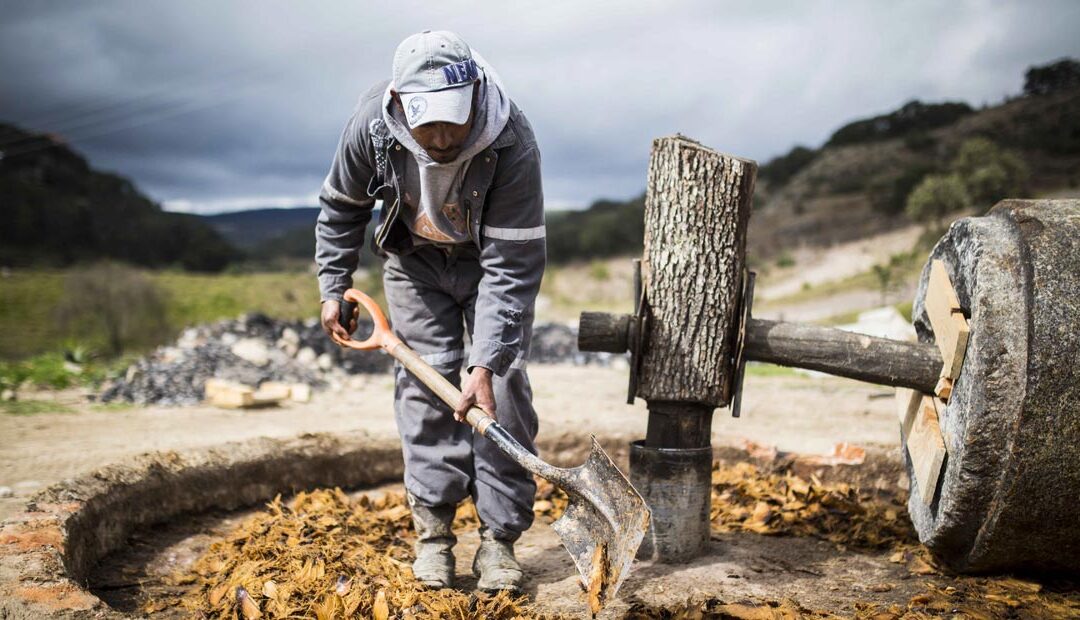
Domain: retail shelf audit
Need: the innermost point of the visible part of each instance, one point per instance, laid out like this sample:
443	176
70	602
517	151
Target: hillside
606	228
58	211
247	229
275	238
853	188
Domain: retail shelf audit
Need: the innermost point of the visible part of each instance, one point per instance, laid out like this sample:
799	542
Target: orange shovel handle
381	337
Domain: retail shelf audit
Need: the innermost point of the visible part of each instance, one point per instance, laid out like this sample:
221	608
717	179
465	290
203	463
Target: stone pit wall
48	551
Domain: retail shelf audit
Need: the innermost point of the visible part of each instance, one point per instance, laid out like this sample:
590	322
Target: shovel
605	519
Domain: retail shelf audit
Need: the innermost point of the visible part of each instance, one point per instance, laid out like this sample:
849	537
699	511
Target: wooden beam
837	352
926	448
228	394
233	395
601	331
948	322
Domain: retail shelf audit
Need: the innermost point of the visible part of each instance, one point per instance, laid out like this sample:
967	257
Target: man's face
442	141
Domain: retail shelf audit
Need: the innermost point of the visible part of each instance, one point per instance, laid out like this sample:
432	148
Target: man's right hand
331	320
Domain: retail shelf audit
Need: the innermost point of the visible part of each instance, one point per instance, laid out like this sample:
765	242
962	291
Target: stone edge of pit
47	551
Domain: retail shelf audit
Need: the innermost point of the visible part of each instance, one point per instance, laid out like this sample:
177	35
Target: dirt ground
814	266
792	412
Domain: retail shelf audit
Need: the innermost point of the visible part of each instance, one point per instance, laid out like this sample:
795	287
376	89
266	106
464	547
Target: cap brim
450	105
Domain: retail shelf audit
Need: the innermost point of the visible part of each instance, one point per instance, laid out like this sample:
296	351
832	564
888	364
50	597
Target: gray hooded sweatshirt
503	201
439	184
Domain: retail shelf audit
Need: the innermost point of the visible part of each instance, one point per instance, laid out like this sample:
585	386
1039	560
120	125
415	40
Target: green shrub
120	301
989	172
47	370
780	169
935	198
888	194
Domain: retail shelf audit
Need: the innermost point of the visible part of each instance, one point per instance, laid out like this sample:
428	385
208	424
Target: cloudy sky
213	106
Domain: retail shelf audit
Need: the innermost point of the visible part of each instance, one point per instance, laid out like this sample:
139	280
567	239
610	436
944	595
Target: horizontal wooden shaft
845	354
602	331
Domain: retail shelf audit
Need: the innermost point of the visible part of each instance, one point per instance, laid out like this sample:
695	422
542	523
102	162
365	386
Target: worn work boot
434	564
496	565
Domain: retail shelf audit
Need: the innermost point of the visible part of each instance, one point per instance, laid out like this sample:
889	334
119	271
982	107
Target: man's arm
345	210
513	255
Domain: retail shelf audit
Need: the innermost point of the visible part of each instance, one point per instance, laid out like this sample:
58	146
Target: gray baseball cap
431	72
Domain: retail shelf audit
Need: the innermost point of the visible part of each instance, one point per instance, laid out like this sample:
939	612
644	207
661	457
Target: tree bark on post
697	207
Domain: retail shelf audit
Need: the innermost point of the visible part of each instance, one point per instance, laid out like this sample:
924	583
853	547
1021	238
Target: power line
77	111
130	122
159	102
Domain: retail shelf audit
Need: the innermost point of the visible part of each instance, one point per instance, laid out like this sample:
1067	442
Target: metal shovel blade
603	526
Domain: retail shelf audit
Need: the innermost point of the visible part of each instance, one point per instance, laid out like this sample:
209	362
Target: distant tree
884	274
779	169
913	116
607	228
116	300
935	198
989	172
1060	75
888	193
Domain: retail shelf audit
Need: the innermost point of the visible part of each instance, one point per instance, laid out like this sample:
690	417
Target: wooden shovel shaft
382	337
476	417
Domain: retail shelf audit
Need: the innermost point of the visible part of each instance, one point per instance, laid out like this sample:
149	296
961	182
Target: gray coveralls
488	287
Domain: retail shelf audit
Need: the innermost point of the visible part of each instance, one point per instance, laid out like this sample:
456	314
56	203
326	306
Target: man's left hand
476	391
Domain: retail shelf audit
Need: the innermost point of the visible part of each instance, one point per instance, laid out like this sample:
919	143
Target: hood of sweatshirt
440	183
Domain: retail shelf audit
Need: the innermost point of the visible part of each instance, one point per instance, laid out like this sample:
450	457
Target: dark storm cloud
213	105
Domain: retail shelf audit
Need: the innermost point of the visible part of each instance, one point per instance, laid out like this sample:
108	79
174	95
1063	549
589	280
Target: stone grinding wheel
1009	494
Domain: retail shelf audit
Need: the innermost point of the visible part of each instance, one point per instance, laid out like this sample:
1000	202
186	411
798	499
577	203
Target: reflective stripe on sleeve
336	195
444	357
515	234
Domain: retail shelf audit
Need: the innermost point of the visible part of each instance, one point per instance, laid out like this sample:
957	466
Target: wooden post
697	206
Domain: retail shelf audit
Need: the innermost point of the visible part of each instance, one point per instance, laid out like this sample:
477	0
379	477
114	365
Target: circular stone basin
99	546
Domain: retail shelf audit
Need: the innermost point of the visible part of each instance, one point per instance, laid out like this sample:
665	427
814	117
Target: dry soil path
794	413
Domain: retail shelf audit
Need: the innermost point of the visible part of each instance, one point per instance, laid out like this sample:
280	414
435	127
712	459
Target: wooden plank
926	447
907	404
271	394
274	389
215	386
300	393
296	392
943	389
233	398
946	319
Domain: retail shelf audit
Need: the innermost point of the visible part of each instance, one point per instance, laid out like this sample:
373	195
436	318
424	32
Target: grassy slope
28	316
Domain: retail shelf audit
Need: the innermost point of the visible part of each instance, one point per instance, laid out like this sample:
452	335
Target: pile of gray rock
556	343
251	350
255	349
